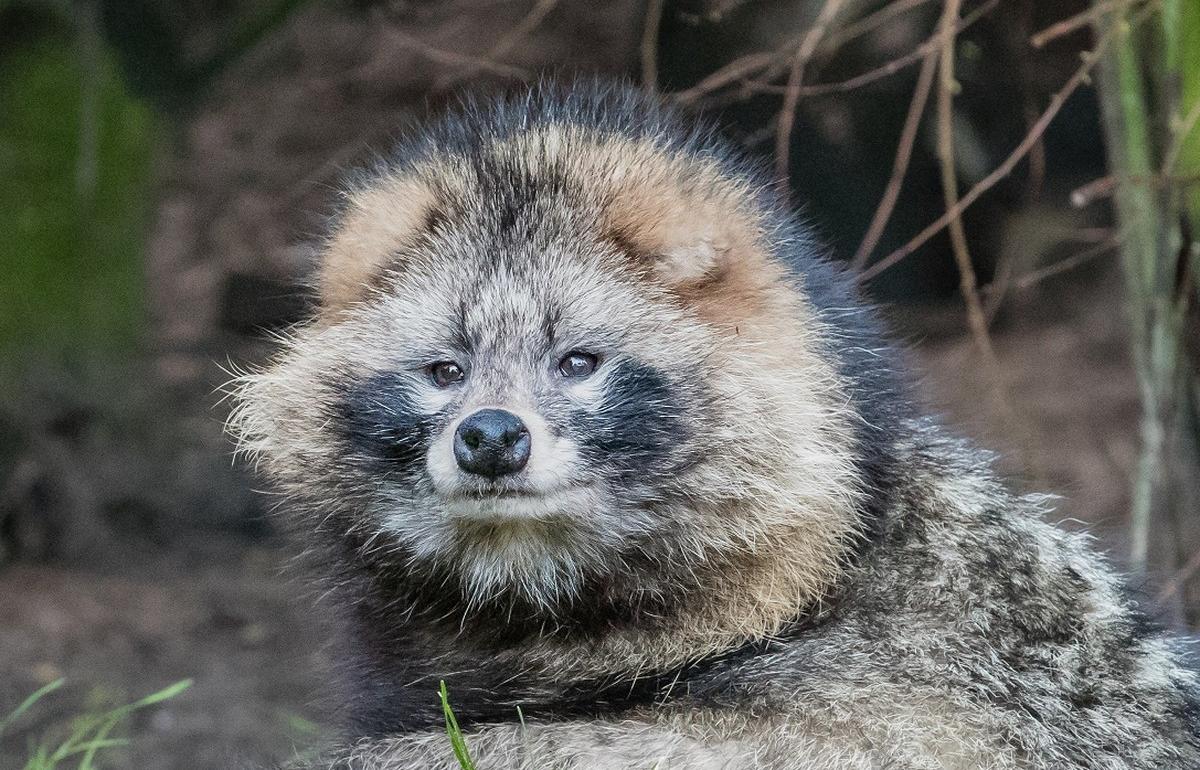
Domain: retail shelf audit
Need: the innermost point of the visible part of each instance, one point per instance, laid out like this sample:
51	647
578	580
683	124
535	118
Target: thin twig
1072	23
890	67
880	72
967	282
1085	195
1057	101
747	65
1034	277
732	72
1105	186
521	30
787	112
867	24
945	150
1037	155
904	151
997	290
650	29
829	44
1099	238
454	59
1102	240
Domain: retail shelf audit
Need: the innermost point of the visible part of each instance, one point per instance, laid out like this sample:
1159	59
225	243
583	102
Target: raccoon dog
587	428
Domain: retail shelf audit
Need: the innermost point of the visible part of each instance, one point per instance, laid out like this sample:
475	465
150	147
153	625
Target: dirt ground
221	612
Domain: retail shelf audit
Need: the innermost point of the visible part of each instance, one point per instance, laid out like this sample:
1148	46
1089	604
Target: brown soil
220	614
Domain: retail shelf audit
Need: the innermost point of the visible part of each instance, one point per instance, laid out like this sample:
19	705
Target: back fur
737	544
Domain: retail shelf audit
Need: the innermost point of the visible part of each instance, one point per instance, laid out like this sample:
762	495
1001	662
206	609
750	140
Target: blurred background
1017	182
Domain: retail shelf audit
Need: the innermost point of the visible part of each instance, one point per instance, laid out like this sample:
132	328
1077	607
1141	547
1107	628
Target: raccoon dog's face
551	363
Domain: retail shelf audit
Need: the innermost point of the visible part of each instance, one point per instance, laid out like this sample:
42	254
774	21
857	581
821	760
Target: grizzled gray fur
587	428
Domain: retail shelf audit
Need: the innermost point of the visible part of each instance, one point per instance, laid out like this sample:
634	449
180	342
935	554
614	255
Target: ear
685	238
378	222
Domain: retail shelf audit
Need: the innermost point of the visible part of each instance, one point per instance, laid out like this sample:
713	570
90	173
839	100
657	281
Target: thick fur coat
736	543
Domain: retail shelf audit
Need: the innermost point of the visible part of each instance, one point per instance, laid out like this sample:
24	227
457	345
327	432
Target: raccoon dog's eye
446	373
577	364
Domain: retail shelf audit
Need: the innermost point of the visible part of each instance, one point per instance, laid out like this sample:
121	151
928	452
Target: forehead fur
665	211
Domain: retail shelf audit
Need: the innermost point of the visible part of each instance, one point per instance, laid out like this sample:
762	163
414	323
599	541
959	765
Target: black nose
492	442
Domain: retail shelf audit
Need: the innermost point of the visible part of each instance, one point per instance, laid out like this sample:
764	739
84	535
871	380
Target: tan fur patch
679	234
379	221
682	219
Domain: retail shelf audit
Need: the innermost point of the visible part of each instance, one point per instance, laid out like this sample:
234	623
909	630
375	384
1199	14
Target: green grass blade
89	733
28	703
89	749
80	729
39	759
164	694
109	721
457	743
99	741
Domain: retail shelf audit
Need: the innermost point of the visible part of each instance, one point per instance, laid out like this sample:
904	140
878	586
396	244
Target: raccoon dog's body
585	427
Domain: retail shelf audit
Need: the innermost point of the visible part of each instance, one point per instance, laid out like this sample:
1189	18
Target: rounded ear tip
378	223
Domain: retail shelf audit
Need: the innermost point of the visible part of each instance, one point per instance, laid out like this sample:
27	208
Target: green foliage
75	153
305	737
28	703
457	742
153	53
89	734
1181	76
1146	79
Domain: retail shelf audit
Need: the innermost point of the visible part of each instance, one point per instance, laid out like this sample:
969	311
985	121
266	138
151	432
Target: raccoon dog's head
558	361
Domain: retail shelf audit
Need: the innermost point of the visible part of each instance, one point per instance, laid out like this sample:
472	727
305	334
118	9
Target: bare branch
541	9
890	67
868	23
454	59
732	72
1086	195
1078	21
1035	277
904	151
967	282
766	62
787	113
1057	101
653	23
1105	186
